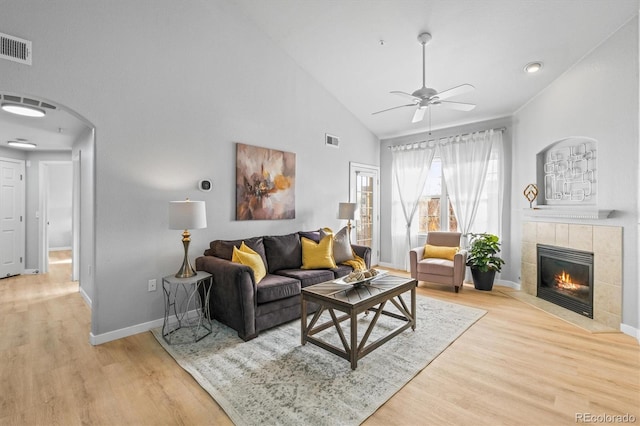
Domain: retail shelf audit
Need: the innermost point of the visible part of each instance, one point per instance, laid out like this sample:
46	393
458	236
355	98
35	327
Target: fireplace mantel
565	212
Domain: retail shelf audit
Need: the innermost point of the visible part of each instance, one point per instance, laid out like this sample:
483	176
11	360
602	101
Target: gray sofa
249	308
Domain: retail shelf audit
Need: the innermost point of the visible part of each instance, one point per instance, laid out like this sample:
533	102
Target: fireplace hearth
565	277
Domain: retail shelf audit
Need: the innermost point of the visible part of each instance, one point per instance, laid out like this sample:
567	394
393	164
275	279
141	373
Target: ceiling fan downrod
424	38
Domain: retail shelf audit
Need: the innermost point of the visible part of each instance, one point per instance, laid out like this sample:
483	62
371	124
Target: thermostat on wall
205	185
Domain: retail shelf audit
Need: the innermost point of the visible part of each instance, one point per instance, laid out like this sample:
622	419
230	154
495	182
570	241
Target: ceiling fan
426	96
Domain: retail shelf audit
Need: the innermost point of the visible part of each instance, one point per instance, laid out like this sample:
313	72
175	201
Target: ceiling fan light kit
425	96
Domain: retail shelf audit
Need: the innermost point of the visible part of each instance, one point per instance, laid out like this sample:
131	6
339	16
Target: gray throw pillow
342	250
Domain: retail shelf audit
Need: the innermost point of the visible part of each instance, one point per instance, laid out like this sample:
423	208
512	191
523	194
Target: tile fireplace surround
606	244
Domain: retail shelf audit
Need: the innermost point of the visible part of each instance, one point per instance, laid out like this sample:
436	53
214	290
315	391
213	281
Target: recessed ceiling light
532	67
24	110
22	144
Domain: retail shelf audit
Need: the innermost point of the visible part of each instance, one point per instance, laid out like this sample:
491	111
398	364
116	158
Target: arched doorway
57	134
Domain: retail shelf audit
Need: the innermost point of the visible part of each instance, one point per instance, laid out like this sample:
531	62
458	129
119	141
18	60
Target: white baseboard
59	248
508	283
134	329
124	332
86	297
631	331
389	265
31	271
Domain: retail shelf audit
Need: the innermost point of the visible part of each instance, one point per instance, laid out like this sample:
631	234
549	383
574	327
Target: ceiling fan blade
406	95
419	115
389	109
455	91
460	106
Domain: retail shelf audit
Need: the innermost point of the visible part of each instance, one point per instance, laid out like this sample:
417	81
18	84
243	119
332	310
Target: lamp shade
346	210
187	215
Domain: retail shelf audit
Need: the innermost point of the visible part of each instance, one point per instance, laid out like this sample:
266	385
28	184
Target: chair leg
457	288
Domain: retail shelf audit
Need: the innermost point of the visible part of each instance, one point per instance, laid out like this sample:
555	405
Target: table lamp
347	211
187	215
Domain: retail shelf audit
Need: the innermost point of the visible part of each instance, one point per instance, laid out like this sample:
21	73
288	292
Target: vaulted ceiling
361	50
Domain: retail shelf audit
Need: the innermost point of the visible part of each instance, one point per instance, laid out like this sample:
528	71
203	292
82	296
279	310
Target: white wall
597	98
170	88
59	193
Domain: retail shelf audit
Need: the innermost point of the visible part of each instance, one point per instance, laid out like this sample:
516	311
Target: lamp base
186	270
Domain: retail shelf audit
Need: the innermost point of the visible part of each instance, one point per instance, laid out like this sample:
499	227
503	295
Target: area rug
274	380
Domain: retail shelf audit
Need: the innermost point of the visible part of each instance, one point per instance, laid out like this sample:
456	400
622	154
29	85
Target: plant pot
483	280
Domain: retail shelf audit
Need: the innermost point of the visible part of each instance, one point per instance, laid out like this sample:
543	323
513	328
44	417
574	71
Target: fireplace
565	277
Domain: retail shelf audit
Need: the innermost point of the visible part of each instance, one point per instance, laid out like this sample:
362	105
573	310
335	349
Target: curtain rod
499	129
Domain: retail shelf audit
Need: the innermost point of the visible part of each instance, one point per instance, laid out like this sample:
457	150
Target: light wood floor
517	365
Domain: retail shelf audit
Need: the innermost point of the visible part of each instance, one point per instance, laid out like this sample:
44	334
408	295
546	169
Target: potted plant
484	260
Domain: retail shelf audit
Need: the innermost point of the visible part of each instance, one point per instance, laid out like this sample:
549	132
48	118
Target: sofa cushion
308	277
318	255
436	266
341	270
249	257
283	252
276	287
224	248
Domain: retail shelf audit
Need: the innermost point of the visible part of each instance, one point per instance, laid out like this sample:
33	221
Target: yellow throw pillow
249	257
317	255
440	252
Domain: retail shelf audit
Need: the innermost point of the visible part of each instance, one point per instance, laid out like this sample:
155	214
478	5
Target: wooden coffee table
373	296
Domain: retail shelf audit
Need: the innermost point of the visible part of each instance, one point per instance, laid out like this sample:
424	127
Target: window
435	215
432	213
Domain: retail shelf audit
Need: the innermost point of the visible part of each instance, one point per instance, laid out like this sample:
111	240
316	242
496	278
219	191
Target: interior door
364	192
12	227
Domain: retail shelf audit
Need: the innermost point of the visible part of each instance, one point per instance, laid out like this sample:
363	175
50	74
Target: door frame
43	208
354	169
23	206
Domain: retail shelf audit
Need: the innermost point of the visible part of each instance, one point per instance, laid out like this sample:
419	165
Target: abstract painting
265	183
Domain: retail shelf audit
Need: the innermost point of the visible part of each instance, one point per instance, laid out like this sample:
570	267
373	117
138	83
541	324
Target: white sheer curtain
465	161
410	168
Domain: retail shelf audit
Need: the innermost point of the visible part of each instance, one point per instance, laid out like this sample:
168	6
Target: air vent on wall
331	140
15	49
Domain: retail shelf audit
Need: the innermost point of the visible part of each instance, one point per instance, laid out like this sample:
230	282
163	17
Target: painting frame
265	183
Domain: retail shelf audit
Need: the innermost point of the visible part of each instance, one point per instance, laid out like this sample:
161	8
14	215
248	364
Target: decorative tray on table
358	278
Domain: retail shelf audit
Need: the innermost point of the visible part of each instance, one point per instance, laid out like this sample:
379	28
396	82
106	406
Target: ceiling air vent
15	49
27	101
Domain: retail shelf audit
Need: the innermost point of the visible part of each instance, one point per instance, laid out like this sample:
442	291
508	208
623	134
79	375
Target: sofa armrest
233	295
364	252
459	267
415	255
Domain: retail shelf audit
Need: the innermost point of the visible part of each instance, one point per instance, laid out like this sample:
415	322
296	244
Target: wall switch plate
152	285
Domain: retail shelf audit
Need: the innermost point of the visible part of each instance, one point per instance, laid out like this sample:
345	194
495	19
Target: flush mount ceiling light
533	67
22	144
24	110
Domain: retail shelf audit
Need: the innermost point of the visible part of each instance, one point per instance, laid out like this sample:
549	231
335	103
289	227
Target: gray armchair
436	270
